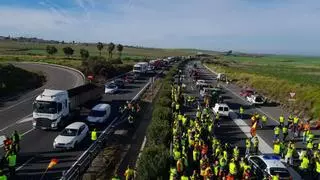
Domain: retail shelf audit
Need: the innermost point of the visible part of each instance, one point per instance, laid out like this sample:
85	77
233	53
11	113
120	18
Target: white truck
141	68
53	109
221	108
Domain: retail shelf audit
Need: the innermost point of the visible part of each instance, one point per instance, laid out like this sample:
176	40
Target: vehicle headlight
54	124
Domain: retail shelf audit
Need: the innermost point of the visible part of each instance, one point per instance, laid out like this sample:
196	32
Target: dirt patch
152	91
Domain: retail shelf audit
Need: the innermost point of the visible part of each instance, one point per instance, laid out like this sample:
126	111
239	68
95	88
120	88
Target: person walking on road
94	135
281	120
241	112
255	145
276	132
12	160
248	146
263	121
285	132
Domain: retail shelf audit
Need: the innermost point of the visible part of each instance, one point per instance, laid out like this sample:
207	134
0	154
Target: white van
99	113
221	108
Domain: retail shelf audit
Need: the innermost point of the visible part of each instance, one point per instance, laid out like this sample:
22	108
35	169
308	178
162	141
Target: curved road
36	145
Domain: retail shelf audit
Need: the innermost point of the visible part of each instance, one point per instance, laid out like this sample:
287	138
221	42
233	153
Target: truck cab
140	67
49	107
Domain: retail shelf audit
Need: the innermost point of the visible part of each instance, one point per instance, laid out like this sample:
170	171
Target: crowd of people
11	148
198	154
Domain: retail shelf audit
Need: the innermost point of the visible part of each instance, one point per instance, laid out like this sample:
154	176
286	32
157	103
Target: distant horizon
190	48
265	27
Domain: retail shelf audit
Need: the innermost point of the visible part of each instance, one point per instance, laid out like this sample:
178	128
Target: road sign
292	94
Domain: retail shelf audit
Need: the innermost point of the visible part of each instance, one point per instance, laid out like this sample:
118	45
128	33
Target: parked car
111	88
246	92
201	82
71	136
269	165
99	113
119	83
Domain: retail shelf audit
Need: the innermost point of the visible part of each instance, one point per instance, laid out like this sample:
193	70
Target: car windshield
111	86
259	99
137	68
69	132
281	171
45	107
95	113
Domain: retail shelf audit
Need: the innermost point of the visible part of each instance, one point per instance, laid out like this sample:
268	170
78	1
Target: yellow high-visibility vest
276	148
318	167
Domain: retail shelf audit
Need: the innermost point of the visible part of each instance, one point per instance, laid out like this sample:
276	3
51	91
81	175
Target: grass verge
276	82
14	80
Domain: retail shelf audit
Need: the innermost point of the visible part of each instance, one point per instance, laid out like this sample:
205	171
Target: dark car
119	83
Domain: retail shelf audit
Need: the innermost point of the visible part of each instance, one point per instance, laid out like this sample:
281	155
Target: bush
153	163
116	61
159	132
161	113
164	101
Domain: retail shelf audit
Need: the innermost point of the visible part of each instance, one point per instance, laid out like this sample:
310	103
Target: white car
269	165
71	136
201	82
221	108
99	113
110	88
255	99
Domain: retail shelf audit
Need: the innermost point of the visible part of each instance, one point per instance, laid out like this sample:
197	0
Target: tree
51	50
100	47
68	51
229	53
120	49
111	47
84	53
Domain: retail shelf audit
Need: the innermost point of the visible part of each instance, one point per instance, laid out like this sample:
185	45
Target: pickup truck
255	99
221	108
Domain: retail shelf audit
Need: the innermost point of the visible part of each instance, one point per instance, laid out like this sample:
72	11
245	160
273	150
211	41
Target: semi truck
52	109
140	67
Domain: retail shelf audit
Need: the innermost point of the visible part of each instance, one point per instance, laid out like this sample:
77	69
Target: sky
256	26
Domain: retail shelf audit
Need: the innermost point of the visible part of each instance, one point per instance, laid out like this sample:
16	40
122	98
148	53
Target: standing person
2	175
16	141
241	112
256	145
129	173
94	135
281	120
263	121
12	160
276	132
248	146
285	132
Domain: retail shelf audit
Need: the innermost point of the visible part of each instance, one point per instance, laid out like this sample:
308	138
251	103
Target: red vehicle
156	63
247	92
129	79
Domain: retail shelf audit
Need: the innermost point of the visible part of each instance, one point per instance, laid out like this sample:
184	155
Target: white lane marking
263	145
260	110
24	164
2	138
27	131
25	120
141	149
22	119
20	102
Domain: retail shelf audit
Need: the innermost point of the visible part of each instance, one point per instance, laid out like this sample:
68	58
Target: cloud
248	25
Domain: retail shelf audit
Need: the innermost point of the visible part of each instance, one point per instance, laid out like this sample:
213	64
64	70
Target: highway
36	145
235	130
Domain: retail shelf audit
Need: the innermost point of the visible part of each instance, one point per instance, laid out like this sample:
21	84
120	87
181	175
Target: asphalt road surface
235	130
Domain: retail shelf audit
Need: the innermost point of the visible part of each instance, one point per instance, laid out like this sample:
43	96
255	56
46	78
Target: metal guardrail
85	160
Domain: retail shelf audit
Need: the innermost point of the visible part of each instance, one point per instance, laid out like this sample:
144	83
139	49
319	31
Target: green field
276	77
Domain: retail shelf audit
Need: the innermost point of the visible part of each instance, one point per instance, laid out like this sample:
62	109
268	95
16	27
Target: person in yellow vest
12	160
233	168
285	132
241	112
184	176
255	145
281	120
276	147
276	177
129	173
263	121
289	154
176	154
248	146
304	165
94	135
317	168
276	132
295	124
236	153
309	147
2	176
290	120
116	177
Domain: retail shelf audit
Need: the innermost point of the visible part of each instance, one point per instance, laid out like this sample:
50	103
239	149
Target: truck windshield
94	113
137	68
45	107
